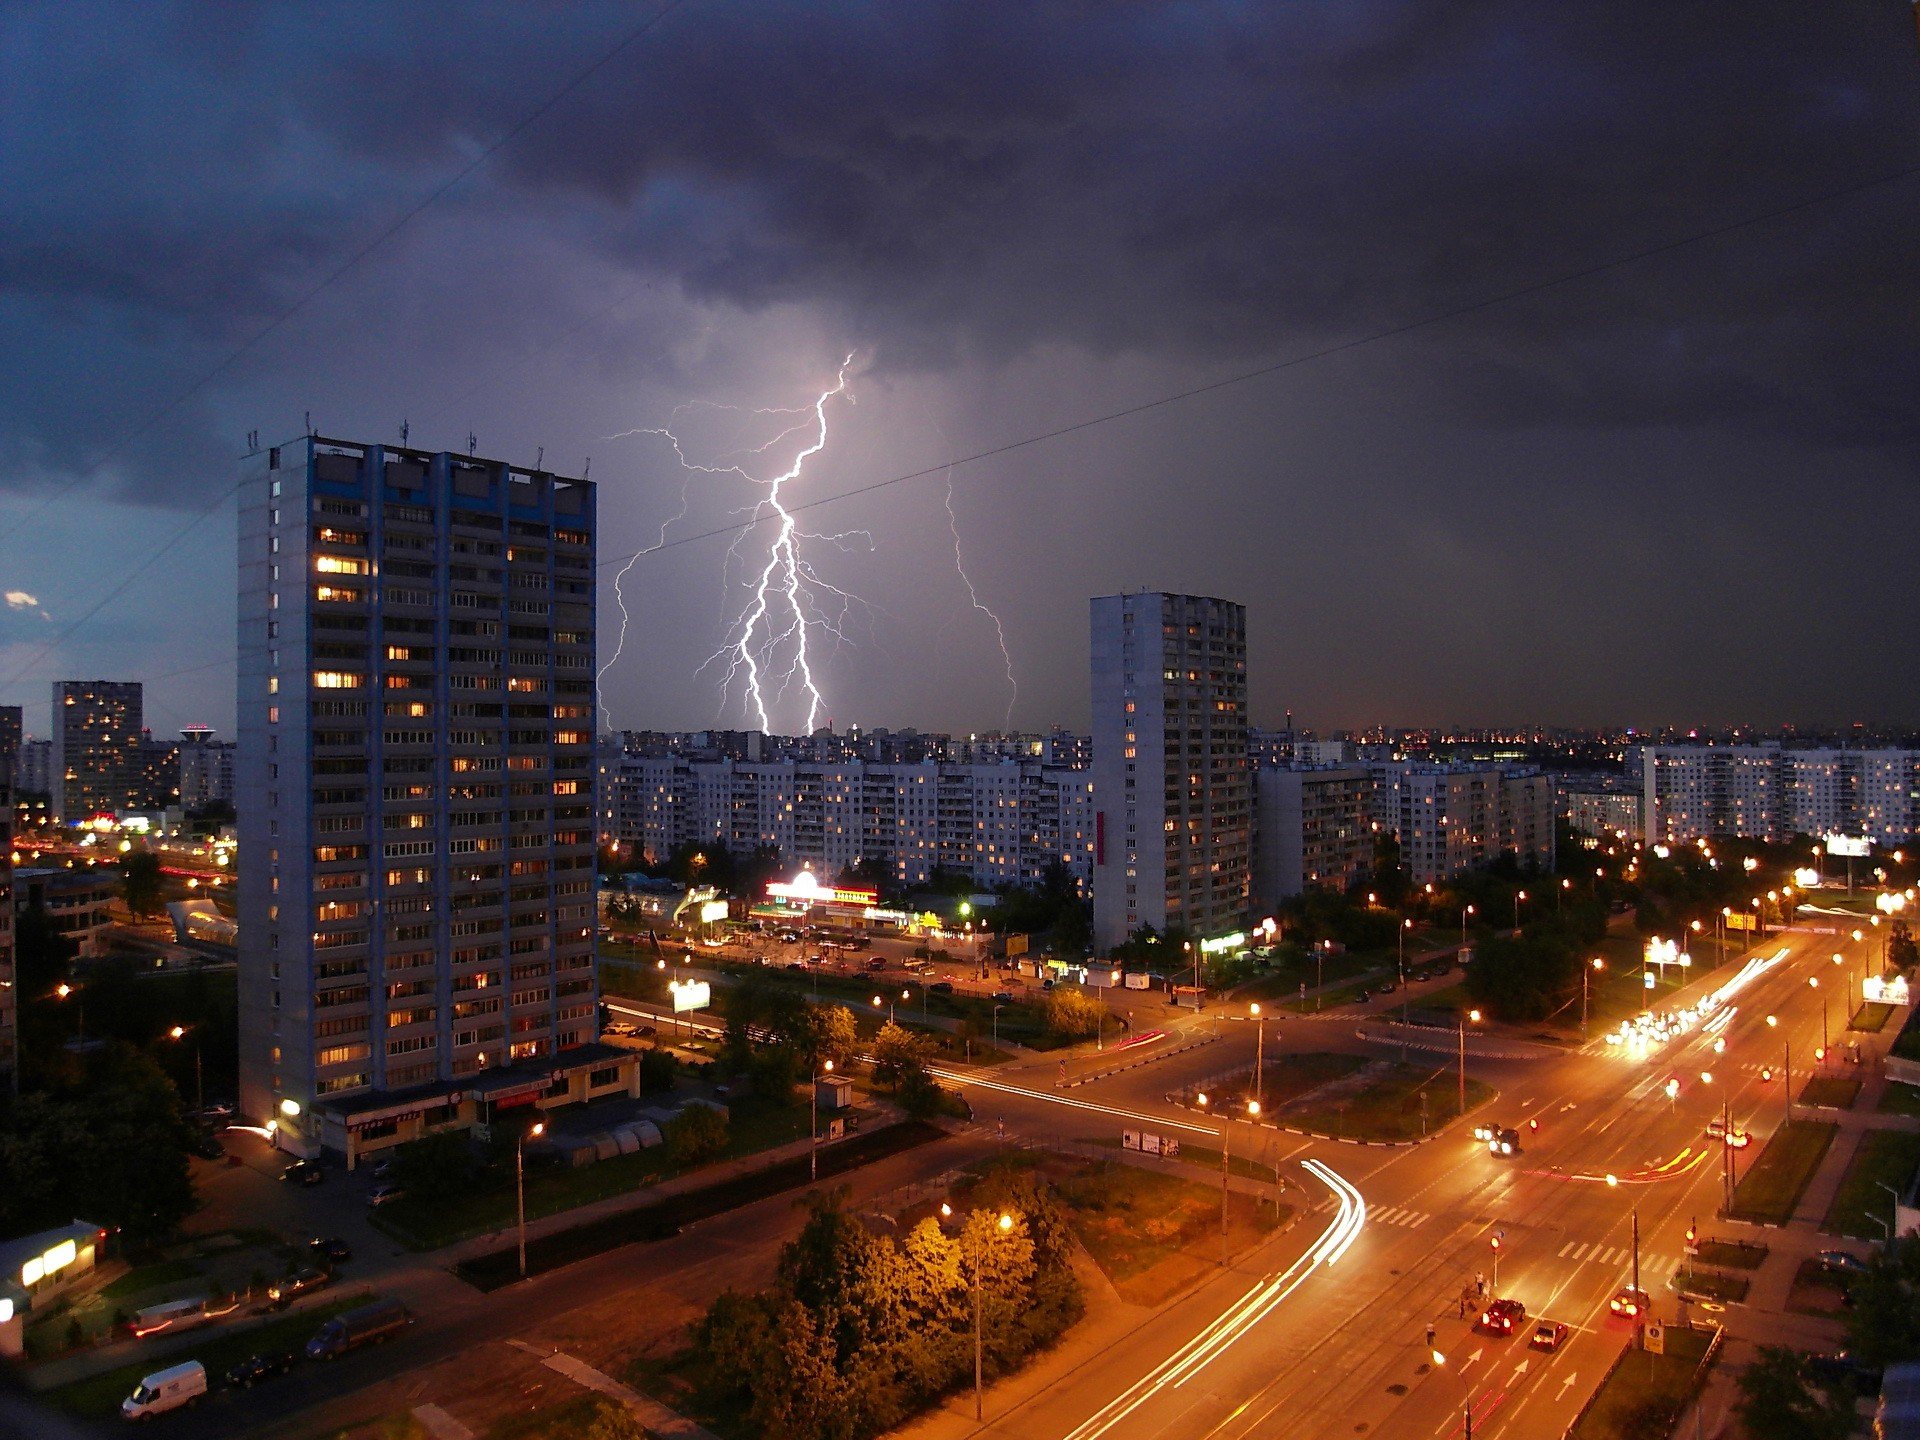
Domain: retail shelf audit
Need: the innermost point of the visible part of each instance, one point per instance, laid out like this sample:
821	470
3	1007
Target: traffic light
1692	1233
1766	1076
1496	1242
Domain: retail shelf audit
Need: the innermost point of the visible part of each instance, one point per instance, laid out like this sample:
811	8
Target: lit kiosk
39	1268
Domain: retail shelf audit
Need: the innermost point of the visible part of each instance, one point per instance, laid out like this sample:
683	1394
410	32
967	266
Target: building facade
1612	812
1313	828
415	794
1000	823
206	769
1454	817
1774	792
96	760
36	768
1173	810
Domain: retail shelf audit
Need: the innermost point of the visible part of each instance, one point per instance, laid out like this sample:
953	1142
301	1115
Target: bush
697	1133
658	1070
1073	1013
434	1167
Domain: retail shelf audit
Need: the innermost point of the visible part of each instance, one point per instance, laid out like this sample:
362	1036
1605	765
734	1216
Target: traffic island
1732	1254
1698	1284
1644	1393
1871	1017
1387	1102
1862	1208
1771	1189
1817	1290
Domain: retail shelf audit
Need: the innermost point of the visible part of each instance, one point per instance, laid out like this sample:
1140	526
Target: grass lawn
150	1277
1285	981
1333	998
224	1347
1831	1092
1732	1254
1387	1101
1871	1017
1885	1157
1899	1099
567	1420
1636	1379
425	1224
1773	1184
1286	1076
1711	1284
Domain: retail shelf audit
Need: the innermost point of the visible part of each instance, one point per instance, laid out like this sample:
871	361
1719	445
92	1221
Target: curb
1136	1064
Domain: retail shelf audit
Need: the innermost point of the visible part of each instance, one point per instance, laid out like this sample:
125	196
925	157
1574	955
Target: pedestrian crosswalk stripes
1619	1257
1399	1215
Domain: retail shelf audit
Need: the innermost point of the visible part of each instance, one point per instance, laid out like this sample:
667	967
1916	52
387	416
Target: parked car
875	962
1842	1370
383	1195
1005	997
303	1172
621	1027
382	1169
255	1368
282	1292
166	1390
942	987
368	1325
329	1251
1548	1335
1842	1261
206	1146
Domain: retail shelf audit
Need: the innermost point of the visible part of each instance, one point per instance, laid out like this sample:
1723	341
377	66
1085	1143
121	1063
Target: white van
166	1390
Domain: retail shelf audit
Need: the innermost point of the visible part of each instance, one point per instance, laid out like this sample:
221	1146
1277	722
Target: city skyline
1527	470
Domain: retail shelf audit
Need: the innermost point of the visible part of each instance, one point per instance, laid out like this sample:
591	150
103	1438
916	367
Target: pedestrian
1480	1284
1430	1333
1463	1305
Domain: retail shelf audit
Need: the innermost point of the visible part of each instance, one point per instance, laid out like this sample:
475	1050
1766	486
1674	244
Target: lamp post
888	1002
1466	1389
1259	1056
72	992
996	1025
1772	1022
179	1032
1003	1225
1463	926
1474	1016
1585	972
520	1185
1518	896
813	1157
1639	1320
1813	982
1200	1100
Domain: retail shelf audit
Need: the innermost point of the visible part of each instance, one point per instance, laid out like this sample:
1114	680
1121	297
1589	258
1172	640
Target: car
799	965
942	987
382	1169
263	1366
1005	997
874	962
1387	987
282	1292
622	1027
1844	1370
383	1195
1505	1140
328	1251
1630	1304
1363	995
1548	1335
1502	1317
218	1110
207	1146
1735	1139
1843	1261
303	1172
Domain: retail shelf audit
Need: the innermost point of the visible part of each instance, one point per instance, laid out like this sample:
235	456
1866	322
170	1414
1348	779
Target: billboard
690	995
713	910
1856	845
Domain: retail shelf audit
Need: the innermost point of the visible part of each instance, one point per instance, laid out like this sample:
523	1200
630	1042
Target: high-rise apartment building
206	768
1454	817
12	735
9	992
96	759
1312	829
415	794
1173	813
36	767
1774	792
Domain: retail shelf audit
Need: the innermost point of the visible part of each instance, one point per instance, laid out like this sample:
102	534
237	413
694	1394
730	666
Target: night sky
1669	477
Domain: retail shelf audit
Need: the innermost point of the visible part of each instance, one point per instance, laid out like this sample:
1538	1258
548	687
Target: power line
313	292
1241	378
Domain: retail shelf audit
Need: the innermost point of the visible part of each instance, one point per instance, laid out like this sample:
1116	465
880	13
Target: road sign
1656	1338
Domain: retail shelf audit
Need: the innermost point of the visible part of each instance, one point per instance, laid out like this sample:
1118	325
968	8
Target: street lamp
878	1002
996	1025
1474	1016
1586	971
1003	1225
1813	982
1259	1055
1773	1022
179	1032
1639	1320
813	1167
1463	926
64	991
1518	896
520	1185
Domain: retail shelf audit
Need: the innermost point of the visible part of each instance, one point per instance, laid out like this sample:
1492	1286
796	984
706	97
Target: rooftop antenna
539	457
472	443
309	415
405	429
587	469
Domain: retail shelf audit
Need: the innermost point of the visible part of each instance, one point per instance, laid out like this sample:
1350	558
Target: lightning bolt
786	609
999	630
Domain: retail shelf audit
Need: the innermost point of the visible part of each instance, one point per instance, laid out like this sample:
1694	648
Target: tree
1074	1013
140	882
896	1050
613	1421
1883	1327
1778	1400
834	1035
697	1133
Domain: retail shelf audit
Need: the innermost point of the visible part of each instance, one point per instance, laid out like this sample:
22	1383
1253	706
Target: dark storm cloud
1021	215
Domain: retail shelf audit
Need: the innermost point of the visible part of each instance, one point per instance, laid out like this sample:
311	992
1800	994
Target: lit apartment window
339	565
338	680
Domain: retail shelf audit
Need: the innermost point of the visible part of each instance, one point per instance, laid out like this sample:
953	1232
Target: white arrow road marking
1564	1384
1518	1371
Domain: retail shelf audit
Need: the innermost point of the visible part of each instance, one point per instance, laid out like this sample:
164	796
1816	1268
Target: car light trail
962	1077
1243	1314
1643	1035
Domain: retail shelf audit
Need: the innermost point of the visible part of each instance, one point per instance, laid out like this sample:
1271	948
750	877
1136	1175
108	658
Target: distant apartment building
35	773
1000	823
157	780
1613	811
1172	788
78	903
96	760
1312	829
415	795
9	993
1455	817
1774	792
206	768
12	736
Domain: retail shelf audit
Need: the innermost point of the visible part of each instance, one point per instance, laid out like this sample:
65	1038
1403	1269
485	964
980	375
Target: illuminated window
338	680
339	565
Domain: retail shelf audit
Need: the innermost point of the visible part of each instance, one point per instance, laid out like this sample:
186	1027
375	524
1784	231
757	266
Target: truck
165	1390
367	1325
